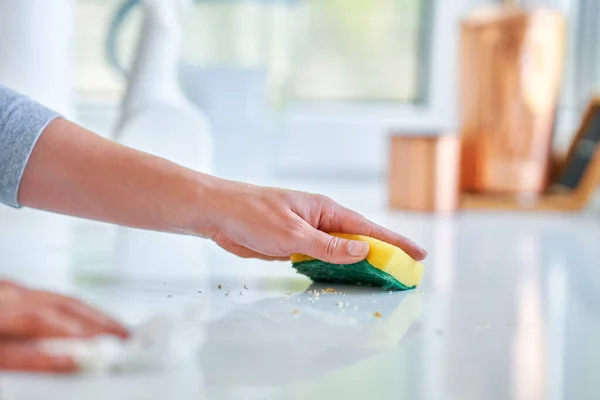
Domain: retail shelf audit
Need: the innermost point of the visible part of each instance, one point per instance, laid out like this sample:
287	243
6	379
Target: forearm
75	172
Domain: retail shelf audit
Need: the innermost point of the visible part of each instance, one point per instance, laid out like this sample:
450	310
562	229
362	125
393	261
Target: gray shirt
22	121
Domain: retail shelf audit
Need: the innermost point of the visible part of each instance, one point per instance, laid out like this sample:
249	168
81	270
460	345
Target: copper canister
511	68
423	173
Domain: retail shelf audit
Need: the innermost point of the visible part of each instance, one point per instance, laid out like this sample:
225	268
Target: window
366	50
339	70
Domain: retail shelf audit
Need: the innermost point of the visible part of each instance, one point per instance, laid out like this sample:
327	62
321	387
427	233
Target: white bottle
157	118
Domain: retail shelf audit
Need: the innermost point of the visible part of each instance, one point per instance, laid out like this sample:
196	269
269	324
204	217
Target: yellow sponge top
385	257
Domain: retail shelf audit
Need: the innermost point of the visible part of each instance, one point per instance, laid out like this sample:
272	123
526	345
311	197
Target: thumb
333	249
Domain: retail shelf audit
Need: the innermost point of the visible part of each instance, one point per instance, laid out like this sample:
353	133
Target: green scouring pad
386	266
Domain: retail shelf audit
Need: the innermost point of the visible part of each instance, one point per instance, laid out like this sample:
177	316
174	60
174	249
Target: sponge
386	266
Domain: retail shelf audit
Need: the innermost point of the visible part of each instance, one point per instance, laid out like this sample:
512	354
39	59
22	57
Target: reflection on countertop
509	308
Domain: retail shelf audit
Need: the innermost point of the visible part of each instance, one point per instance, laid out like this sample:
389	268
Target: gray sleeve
22	121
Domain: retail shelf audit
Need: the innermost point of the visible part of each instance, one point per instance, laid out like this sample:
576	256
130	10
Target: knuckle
68	303
332	245
31	321
329	216
323	199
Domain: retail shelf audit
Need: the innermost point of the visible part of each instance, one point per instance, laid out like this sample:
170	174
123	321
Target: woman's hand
30	315
75	172
272	224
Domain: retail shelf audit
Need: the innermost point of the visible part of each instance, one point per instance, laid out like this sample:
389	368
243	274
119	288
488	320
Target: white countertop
509	308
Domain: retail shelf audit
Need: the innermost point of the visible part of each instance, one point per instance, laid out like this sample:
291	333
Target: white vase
157	118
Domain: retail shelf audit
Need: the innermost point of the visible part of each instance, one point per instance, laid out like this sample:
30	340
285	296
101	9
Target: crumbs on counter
295	311
220	287
340	304
246	287
200	291
377	314
329	290
169	295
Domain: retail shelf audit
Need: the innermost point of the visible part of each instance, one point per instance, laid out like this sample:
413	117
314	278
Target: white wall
313	140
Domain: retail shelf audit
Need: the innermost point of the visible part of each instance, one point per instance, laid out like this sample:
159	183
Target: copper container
423	173
511	67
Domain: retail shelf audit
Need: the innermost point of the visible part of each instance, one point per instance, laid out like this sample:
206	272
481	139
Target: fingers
348	221
33	314
31	322
94	321
27	315
25	356
98	323
324	247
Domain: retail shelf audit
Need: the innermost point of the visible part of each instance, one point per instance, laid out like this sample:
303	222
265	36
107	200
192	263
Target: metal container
511	69
423	173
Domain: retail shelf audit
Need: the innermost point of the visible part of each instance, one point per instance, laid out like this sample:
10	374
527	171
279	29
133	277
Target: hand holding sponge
386	266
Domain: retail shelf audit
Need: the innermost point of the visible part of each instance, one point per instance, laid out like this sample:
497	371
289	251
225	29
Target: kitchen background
314	87
298	93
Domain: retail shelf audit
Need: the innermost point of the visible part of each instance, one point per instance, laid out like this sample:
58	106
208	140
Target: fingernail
123	333
357	249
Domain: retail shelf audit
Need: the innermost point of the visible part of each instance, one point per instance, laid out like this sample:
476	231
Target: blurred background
323	82
320	81
299	87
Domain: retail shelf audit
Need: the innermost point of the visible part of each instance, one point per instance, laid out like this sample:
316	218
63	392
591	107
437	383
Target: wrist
196	209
